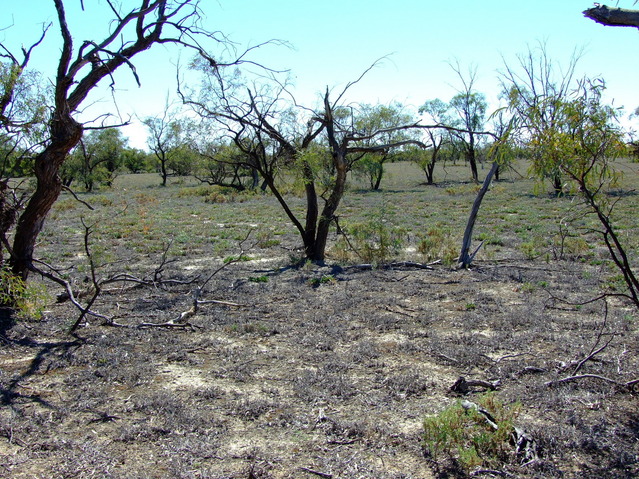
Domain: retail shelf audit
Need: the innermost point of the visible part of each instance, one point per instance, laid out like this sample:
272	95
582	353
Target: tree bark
472	159
66	133
613	17
465	258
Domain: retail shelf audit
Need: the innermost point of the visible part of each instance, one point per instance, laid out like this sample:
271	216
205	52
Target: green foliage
530	249
23	118
136	161
380	125
315	164
467	437
168	141
235	258
376	241
438	243
97	160
27	299
182	160
324	279
469	111
371	167
258	279
224	164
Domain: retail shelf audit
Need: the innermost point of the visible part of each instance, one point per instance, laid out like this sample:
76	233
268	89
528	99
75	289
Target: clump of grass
438	243
103	200
265	239
202	190
463	189
258	279
236	259
66	204
324	279
466	435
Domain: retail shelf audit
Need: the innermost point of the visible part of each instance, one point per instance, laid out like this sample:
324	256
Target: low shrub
466	435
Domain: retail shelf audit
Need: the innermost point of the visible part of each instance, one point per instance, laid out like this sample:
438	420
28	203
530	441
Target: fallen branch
628	384
487	416
181	320
463	385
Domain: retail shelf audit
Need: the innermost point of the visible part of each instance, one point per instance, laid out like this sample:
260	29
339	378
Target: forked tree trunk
328	212
430	170
66	134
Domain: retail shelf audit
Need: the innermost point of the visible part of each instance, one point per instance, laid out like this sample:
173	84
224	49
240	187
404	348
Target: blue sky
333	42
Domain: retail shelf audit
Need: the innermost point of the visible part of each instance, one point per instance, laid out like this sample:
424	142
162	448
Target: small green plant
528	287
236	259
27	299
471	306
265	239
258	279
529	249
465	434
325	279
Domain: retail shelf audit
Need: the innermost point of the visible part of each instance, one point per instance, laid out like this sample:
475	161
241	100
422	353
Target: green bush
466	436
27	299
376	242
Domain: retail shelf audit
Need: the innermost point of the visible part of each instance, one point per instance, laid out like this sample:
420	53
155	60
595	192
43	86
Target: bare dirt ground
316	371
316	380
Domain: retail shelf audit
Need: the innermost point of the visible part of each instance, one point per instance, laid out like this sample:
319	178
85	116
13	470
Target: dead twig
491	472
628	384
181	320
317	473
596	350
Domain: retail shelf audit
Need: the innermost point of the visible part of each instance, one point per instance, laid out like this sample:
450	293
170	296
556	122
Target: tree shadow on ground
42	350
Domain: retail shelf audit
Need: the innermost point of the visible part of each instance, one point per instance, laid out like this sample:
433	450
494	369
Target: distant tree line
246	132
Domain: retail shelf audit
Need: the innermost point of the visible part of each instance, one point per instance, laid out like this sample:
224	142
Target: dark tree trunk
255	180
473	163
378	179
328	212
465	258
66	134
430	177
312	212
557	185
163	171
